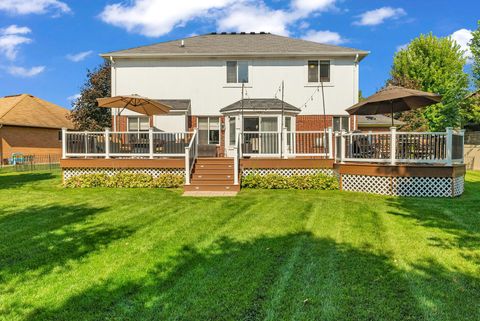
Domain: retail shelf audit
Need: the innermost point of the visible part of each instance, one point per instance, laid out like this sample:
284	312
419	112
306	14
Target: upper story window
237	72
138	124
319	71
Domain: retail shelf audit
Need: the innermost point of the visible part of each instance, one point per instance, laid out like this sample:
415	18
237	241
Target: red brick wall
313	122
29	141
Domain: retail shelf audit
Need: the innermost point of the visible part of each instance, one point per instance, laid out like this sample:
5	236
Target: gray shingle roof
175	104
260	104
258	44
377	121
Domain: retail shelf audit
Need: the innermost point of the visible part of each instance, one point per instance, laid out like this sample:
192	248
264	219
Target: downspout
113	92
355	90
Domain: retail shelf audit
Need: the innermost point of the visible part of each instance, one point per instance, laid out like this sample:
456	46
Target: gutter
357	54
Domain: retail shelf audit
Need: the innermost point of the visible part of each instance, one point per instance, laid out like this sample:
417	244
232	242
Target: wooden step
211	182
214	166
214	161
216	187
213	176
222	171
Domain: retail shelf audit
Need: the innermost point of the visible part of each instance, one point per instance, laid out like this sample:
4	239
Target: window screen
231	72
325	70
232	130
313	71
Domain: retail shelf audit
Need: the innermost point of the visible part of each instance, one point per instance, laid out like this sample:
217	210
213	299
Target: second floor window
319	70
237	72
138	124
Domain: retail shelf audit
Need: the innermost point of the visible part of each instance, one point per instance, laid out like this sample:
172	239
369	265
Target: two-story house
201	79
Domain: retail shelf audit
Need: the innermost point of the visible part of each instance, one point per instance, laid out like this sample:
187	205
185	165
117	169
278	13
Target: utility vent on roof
233	33
213	33
224	33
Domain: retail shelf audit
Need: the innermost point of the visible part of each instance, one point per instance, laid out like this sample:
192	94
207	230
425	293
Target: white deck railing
107	144
401	147
390	147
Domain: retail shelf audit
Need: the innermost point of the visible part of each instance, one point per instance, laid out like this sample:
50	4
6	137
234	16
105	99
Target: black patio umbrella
393	99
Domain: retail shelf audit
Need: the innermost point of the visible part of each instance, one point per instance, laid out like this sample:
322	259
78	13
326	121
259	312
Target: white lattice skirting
154	172
404	186
288	171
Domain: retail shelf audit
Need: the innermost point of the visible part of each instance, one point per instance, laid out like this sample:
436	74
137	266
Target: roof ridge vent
224	33
213	33
182	43
252	32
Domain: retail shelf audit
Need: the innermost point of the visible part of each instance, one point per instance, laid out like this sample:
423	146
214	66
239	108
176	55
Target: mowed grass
145	254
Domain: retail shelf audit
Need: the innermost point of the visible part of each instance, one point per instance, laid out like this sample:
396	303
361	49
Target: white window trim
330	83
342	116
238	84
138	123
208	130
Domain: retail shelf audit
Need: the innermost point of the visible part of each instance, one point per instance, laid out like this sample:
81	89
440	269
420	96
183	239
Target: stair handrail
191	152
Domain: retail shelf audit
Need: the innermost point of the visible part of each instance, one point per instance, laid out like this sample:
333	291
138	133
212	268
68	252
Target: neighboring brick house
30	126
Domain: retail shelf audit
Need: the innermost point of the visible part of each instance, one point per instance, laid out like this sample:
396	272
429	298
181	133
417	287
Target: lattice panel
422	186
404	186
458	185
367	184
288	171
154	172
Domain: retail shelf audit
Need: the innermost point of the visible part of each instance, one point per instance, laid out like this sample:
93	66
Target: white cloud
25	72
462	37
308	6
15	30
378	16
251	17
23	7
79	56
154	18
324	36
73	97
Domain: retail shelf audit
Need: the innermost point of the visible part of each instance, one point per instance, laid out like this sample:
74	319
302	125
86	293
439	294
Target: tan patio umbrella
136	103
393	99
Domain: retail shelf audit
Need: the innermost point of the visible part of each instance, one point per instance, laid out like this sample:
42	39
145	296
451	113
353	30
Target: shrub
124	180
168	181
277	181
87	180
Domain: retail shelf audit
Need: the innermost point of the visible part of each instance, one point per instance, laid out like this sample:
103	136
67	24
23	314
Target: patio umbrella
394	99
136	103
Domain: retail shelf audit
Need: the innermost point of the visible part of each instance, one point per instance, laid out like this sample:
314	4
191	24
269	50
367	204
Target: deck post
393	144
284	144
462	133
449	145
330	142
150	143
107	143
342	146
187	165
64	143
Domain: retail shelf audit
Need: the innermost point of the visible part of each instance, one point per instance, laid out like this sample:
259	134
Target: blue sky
47	45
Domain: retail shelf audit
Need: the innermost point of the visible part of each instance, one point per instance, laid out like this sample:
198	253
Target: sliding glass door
261	135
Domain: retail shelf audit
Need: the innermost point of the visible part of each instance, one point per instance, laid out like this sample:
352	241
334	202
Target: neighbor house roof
260	104
237	44
30	111
176	104
377	121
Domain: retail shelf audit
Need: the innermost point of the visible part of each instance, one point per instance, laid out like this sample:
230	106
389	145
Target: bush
168	181
87	180
124	180
277	181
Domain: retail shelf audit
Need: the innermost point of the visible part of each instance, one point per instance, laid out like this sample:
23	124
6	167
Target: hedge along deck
399	180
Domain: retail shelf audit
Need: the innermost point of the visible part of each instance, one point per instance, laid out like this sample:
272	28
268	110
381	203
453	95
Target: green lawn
145	254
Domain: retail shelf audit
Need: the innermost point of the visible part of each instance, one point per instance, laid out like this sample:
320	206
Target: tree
435	65
86	115
475	48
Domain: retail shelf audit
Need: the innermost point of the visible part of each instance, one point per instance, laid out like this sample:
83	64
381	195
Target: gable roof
30	111
260	104
236	44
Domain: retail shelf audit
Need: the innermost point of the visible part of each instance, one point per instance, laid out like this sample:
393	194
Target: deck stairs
212	175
